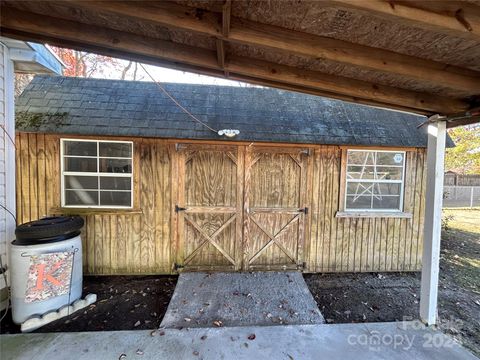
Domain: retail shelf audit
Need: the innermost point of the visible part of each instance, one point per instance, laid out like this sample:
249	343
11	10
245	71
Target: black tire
49	227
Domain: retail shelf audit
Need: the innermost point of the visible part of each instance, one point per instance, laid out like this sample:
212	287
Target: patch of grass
463	219
461	243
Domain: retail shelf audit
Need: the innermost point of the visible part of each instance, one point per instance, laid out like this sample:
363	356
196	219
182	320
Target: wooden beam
209	72
226	15
52	29
462	23
463	122
293	42
221	52
335	84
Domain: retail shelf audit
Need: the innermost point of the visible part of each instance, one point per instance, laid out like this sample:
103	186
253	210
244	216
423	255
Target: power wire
6	133
176	102
8	211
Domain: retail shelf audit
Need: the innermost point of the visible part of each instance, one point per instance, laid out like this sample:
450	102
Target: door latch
304	210
178	208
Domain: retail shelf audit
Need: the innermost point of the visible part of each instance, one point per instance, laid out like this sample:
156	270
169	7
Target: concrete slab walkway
343	341
241	299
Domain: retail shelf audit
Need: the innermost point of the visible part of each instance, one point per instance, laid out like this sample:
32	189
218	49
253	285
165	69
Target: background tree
21	82
464	158
84	64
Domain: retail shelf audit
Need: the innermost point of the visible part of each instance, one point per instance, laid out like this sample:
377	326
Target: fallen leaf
153	333
122	356
162	333
251	337
137	323
218	323
204	337
196	353
139	352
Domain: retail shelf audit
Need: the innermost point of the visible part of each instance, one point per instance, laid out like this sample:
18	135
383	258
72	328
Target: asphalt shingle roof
81	106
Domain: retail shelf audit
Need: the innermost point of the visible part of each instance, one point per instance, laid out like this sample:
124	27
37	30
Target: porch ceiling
408	55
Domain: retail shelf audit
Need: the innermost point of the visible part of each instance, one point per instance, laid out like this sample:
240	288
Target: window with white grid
96	173
374	180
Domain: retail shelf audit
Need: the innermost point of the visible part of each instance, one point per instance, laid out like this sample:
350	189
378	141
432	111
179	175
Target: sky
161	74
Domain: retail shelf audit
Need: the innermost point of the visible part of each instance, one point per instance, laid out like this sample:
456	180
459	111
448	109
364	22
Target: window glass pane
80	164
361	172
390	158
81	182
112	190
115	198
361	157
359	202
81	197
115	149
81	148
360	188
116	165
389	173
115	183
386	202
387	189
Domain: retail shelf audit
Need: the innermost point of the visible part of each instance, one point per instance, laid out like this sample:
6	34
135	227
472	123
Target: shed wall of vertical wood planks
269	187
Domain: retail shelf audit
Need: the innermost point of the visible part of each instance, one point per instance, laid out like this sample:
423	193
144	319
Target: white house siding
7	152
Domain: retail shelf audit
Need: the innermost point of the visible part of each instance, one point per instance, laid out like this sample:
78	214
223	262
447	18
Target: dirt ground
123	303
139	302
395	296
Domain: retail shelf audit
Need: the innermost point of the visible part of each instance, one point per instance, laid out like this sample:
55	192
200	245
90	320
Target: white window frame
97	174
402	182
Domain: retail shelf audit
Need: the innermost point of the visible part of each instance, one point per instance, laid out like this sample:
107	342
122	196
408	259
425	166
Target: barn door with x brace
209	207
275	200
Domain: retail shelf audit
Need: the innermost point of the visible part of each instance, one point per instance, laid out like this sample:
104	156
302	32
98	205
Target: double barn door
240	207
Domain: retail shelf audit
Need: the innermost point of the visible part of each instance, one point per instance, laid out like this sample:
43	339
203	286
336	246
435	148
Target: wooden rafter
209	72
221	51
61	32
462	22
242	31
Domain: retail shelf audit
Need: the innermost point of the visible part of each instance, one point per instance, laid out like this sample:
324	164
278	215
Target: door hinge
178	266
304	210
178	208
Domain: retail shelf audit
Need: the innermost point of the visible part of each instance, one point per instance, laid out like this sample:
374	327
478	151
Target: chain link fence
461	196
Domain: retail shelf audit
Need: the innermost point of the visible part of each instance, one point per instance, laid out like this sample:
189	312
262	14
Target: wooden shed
309	183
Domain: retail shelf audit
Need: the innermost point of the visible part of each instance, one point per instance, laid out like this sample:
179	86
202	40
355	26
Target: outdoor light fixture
228	132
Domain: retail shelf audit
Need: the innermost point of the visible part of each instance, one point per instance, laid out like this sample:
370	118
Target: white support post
433	222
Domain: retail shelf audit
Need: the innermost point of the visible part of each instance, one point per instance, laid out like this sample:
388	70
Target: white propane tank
46	274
